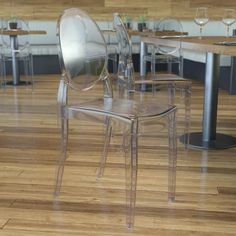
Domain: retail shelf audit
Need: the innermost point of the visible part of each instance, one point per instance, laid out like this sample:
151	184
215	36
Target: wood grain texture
29	149
103	9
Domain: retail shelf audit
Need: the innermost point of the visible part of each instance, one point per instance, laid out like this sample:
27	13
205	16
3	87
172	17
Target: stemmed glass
201	18
228	18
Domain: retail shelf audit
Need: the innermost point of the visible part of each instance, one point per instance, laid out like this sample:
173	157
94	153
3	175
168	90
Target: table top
15	32
147	33
212	44
150	33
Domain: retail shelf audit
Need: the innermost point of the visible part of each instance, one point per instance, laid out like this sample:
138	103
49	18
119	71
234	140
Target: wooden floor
29	147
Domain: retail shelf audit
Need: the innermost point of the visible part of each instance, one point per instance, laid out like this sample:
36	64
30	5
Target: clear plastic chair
83	58
125	65
167	27
169	81
21	48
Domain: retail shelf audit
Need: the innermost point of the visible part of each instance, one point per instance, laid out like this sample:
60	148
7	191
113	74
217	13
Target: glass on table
229	17
201	18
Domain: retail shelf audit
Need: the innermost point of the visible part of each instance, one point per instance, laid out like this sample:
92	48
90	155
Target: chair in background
17	44
167	27
83	58
125	73
170	81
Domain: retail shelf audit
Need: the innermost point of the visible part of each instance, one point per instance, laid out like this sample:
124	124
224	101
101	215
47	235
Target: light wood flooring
29	148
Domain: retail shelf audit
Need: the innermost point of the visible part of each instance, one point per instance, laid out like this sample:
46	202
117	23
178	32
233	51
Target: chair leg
31	71
28	69
114	64
153	67
121	70
131	162
172	155
3	73
130	148
185	93
187	102
107	140
171	93
61	162
130	76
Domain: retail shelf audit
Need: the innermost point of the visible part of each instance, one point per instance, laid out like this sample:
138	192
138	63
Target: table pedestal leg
15	65
208	138
143	72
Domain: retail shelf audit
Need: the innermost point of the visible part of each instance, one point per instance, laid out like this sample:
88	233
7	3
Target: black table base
20	83
222	141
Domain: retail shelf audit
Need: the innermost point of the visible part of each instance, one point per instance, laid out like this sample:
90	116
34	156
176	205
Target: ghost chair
111	46
83	59
171	56
172	83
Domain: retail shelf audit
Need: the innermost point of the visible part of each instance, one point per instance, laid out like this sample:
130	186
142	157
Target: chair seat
160	58
128	109
161	77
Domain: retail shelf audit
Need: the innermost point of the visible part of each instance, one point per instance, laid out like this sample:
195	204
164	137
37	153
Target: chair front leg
64	123
61	161
107	140
131	162
172	155
187	102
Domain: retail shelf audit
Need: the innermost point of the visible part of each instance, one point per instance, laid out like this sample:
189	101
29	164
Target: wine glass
201	18
228	18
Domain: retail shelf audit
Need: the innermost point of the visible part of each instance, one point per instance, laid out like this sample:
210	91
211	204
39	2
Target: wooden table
208	138
147	33
13	34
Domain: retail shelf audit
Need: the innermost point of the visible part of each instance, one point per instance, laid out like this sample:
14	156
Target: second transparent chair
83	58
111	46
171	82
16	45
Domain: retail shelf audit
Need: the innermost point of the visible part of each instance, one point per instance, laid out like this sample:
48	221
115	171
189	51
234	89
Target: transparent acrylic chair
170	81
83	59
167	27
17	44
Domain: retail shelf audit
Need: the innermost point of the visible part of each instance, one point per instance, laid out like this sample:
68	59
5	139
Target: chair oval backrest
82	49
170	27
125	67
124	43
